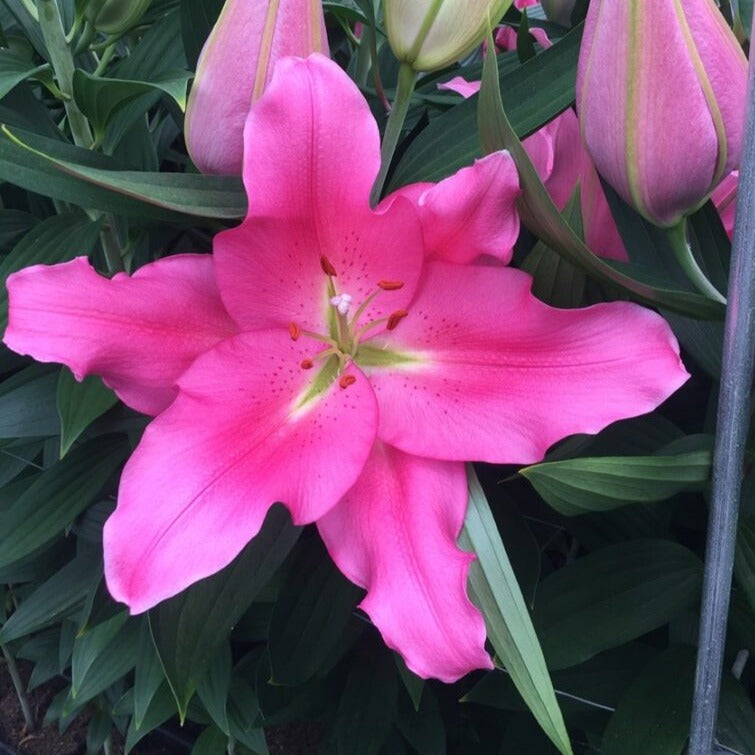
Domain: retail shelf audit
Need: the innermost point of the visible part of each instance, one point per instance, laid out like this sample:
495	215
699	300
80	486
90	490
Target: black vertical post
728	456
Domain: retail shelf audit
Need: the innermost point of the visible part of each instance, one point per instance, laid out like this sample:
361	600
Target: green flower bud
115	16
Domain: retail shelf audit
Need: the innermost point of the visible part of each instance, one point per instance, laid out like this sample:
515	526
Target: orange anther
306	364
327	267
294	331
390	285
395	318
346	380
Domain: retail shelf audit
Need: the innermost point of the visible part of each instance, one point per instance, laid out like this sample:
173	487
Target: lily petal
461	86
309	198
499	376
472	212
139	333
395	533
235	441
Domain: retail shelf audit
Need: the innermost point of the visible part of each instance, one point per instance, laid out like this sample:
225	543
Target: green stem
74	30
63	68
104	60
372	38
677	236
407	78
111	246
86	38
19	687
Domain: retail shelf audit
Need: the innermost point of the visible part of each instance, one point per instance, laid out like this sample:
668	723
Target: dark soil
48	740
300	739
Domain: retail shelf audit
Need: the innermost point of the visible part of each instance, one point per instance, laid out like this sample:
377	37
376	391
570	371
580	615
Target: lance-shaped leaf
188	630
71	174
576	486
494	588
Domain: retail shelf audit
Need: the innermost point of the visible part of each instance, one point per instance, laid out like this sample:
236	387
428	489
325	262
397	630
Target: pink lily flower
342	361
235	66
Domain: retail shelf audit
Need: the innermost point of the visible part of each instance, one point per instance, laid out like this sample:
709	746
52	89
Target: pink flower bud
236	64
661	89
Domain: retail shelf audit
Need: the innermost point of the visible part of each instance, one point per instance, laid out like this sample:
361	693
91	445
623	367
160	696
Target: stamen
294	331
327	267
346	380
395	318
306	364
342	302
390	285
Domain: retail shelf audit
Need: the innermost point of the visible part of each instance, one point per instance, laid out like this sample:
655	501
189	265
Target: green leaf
310	616
424	729
27	403
189	629
735	727
653	715
54	599
56	496
541	215
744	563
161	707
215	688
494	588
148	677
612	596
14	224
56	239
595	685
79	404
101	656
197	19
72	174
98	730
577	486
13	70
210	742
100	98
555	280
367	706
243	716
413	684
534	93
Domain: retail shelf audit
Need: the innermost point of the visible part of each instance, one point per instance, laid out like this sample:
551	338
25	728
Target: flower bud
430	34
115	16
234	67
661	91
559	10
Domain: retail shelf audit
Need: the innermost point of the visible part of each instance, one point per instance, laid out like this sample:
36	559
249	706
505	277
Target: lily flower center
345	330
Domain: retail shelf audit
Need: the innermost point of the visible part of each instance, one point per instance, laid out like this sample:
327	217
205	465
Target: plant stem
111	246
61	60
677	235
20	691
407	78
104	60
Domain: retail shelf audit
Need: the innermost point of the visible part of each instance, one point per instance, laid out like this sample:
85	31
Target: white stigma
342	302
